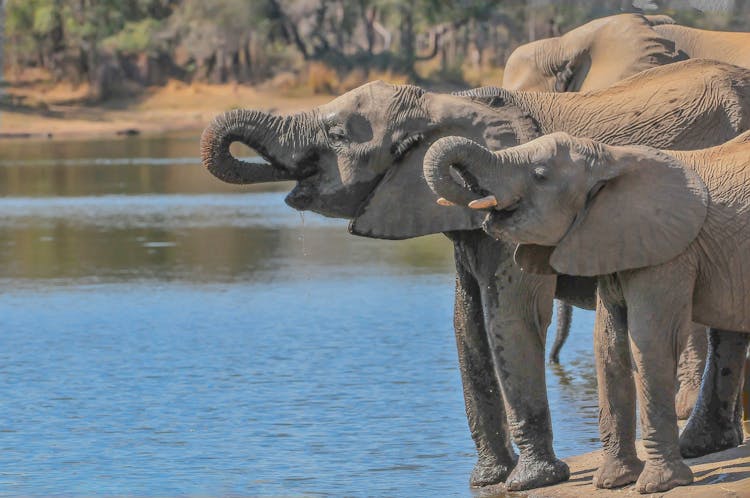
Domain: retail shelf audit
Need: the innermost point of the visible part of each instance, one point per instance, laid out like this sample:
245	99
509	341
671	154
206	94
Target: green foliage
44	18
136	37
253	40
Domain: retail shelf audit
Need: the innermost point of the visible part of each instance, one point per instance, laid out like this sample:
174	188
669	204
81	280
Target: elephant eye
539	174
337	133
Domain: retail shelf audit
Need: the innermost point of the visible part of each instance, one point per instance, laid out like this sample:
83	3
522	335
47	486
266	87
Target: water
167	334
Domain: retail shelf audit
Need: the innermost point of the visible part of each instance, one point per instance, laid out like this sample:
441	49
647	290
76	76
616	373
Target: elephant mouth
306	172
500	215
497	218
303	194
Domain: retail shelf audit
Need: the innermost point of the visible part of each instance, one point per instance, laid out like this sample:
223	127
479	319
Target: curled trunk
467	157
257	130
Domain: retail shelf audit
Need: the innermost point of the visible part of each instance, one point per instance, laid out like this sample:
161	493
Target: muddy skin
537	473
715	425
485	410
488	275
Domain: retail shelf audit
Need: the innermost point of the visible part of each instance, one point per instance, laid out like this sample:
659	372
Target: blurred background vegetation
119	47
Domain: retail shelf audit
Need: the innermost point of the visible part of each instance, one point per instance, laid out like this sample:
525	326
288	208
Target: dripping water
302	234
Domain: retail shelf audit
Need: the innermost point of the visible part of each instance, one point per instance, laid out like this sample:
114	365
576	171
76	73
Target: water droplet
302	234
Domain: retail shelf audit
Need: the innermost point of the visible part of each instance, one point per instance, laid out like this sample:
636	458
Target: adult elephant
360	157
607	50
595	55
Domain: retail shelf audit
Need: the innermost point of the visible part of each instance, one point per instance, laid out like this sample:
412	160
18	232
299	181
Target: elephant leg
658	310
714	424
518	309
690	368
564	318
484	403
620	464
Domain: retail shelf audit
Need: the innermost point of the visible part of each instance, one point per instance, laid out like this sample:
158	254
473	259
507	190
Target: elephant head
591	56
573	205
360	156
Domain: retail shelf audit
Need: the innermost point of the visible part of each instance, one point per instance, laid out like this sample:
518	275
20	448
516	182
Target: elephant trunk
468	158
258	130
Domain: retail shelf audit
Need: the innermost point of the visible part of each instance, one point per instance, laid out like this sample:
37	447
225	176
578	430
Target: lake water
166	334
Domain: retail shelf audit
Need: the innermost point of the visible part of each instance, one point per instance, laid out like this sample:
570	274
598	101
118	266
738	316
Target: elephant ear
532	258
403	206
648	209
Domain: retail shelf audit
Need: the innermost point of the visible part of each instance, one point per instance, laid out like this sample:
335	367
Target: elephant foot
663	476
702	436
615	472
486	473
535	473
684	401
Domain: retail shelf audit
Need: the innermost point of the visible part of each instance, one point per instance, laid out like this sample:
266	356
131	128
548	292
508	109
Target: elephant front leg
518	309
620	464
715	423
484	403
657	313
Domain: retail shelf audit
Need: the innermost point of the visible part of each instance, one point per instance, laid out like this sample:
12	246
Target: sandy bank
723	474
39	112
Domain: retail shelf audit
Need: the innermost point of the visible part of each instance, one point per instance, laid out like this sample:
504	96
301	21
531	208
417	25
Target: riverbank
719	475
37	111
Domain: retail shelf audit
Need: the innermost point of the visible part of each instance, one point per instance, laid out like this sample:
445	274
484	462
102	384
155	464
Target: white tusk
445	202
484	202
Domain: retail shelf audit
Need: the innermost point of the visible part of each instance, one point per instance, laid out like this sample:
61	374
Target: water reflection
142	208
166	333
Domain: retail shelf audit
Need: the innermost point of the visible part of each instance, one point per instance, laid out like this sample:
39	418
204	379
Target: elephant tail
564	319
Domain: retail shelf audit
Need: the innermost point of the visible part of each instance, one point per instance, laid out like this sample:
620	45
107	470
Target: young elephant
666	233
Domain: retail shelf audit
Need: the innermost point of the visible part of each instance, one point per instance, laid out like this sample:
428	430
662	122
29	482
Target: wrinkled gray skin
666	234
360	157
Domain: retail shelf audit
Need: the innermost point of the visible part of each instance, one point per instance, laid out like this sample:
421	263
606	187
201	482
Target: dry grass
42	107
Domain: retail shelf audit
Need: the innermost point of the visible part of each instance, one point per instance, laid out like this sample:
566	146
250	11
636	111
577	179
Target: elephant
607	50
592	56
360	156
581	60
666	234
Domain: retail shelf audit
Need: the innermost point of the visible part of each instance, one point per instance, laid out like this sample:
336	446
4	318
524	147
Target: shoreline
717	475
48	114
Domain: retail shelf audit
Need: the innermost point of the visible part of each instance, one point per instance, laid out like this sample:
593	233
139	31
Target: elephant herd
611	172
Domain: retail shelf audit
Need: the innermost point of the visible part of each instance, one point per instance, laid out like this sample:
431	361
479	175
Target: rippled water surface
166	334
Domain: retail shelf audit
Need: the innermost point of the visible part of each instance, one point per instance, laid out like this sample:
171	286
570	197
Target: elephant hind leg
714	424
690	368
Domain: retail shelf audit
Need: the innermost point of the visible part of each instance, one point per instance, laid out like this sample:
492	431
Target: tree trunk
2	40
407	40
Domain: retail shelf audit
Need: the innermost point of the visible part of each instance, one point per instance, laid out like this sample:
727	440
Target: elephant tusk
445	202
484	203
